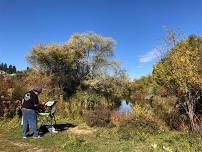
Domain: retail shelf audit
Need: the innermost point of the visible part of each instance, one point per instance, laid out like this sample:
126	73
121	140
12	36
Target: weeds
99	118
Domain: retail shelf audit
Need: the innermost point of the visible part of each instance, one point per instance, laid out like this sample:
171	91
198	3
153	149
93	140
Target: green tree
83	57
14	69
1	66
10	69
140	87
179	71
5	67
112	87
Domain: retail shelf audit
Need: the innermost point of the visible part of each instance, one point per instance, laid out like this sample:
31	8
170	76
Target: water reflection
125	106
79	108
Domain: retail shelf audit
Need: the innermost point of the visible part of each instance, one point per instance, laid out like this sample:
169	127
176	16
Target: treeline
8	68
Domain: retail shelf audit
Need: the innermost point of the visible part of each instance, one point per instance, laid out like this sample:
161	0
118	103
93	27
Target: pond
125	106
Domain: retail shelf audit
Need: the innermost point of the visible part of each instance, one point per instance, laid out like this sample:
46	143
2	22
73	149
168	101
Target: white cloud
139	66
150	56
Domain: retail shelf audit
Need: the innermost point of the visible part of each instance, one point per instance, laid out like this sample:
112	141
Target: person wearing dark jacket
29	105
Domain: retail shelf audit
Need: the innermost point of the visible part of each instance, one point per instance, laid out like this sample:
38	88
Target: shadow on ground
55	128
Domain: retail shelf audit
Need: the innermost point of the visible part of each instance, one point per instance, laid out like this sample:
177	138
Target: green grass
103	140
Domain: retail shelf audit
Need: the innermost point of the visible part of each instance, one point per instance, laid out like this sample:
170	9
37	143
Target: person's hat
38	89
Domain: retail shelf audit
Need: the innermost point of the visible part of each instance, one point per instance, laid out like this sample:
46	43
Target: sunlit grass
104	139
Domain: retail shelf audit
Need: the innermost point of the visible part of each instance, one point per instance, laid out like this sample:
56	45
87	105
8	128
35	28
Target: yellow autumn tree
180	72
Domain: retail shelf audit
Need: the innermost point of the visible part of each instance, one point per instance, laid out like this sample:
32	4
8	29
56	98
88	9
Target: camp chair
49	114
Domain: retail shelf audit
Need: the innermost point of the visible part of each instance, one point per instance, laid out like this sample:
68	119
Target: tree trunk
191	118
191	113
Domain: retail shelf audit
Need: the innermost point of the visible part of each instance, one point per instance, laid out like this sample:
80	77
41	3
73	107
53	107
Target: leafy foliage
70	63
113	88
18	93
143	91
180	73
176	120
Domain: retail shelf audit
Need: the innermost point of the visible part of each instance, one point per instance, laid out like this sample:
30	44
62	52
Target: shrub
137	95
143	111
177	121
99	118
116	117
142	119
140	123
18	93
3	86
88	100
8	109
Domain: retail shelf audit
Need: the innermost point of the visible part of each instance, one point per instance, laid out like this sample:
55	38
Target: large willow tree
180	72
83	58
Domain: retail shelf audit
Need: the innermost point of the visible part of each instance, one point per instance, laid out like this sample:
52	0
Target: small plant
124	134
176	121
140	123
117	117
143	111
99	118
77	144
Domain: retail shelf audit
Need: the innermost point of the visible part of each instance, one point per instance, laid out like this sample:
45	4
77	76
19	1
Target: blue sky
135	25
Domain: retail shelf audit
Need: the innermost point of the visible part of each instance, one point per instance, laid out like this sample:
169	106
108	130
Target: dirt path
18	146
